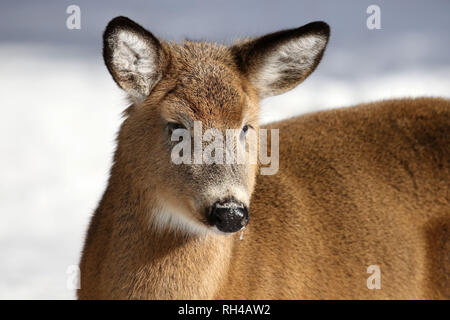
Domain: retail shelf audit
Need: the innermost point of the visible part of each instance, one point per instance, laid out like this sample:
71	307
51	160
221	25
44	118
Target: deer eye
172	126
245	130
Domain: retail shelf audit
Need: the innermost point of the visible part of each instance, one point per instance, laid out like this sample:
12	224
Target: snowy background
60	109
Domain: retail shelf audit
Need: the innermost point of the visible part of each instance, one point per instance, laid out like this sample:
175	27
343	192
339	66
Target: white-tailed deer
356	187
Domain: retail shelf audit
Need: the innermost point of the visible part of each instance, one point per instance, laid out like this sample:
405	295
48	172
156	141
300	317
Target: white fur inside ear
135	60
294	58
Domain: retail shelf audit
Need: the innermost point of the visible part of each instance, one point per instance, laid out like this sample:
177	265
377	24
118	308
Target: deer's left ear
134	57
278	62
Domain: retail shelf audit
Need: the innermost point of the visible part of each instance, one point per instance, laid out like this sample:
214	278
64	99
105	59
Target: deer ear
133	56
278	62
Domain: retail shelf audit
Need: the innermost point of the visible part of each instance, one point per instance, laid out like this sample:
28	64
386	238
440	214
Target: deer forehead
207	90
214	111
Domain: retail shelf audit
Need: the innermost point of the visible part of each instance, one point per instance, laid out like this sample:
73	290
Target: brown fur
356	187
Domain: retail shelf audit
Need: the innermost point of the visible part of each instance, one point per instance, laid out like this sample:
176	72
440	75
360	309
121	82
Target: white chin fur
168	217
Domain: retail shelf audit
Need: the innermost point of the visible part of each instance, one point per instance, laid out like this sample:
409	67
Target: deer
357	187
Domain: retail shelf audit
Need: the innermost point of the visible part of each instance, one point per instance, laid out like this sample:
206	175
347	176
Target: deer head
174	87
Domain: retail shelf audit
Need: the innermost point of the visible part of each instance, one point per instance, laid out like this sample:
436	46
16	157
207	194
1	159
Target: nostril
217	218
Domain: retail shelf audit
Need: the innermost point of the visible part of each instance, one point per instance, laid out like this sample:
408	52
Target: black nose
228	216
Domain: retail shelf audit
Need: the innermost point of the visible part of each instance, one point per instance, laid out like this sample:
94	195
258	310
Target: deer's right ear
133	56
